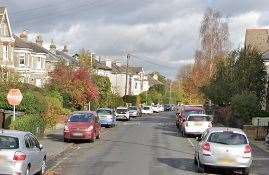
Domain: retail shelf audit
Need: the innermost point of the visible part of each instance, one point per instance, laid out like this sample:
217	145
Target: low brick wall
256	132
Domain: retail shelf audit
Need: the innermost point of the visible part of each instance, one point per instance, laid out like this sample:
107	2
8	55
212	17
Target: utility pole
126	73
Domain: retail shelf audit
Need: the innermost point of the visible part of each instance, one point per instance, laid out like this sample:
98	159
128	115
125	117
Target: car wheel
66	140
99	135
43	167
27	170
93	138
245	171
195	160
177	125
200	167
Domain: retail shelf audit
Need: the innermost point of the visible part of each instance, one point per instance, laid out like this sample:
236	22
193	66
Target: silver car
21	153
222	147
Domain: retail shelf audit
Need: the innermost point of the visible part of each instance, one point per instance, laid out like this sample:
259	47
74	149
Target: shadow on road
146	145
184	164
56	137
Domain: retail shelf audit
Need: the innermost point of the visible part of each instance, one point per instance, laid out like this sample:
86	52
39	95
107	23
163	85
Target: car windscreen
7	142
146	108
104	112
197	118
81	117
132	108
227	138
121	111
188	112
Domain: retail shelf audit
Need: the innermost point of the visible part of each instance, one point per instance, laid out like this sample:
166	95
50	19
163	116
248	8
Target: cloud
162	32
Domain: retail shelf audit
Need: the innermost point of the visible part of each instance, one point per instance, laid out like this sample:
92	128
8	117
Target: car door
39	154
97	124
31	153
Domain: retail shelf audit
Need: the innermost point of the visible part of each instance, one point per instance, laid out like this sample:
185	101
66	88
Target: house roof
64	56
102	65
258	38
153	81
2	10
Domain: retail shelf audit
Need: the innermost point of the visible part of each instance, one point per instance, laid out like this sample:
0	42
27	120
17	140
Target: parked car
107	117
184	111
147	110
122	113
267	139
222	147
134	111
167	107
82	125
155	109
196	124
21	153
161	108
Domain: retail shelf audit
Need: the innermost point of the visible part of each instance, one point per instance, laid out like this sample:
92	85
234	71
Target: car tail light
206	149
89	128
248	149
19	156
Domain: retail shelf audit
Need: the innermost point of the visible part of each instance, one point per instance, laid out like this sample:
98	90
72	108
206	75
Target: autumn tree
75	83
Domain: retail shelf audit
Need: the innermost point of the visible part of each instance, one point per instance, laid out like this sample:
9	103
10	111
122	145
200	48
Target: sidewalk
53	143
261	144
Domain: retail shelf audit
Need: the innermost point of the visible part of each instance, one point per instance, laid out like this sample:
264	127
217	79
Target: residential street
146	146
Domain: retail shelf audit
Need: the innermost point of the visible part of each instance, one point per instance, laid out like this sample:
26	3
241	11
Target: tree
86	59
160	88
76	84
161	77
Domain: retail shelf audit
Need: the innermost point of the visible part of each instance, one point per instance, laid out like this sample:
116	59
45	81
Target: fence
256	132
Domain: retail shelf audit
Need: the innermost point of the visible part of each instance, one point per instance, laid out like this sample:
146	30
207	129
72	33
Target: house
257	38
34	62
6	40
137	80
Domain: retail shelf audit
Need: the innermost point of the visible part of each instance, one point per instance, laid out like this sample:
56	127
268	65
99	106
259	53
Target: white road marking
190	142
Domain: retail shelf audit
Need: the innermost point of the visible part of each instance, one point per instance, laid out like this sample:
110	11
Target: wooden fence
256	132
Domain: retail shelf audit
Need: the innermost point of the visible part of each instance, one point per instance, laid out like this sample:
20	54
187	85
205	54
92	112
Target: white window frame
39	63
5	52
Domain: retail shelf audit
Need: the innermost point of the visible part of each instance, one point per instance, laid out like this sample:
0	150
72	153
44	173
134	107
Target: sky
162	34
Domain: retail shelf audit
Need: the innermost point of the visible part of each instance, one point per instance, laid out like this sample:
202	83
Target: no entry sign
14	97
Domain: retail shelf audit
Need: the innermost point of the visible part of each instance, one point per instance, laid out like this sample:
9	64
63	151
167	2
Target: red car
82	125
187	110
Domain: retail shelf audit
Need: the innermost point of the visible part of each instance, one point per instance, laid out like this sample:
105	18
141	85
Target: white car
122	113
196	124
21	153
221	147
156	108
147	110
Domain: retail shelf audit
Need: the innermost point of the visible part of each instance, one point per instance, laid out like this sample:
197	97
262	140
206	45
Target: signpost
14	98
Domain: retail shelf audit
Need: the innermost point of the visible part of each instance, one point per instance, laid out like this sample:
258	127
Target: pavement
149	145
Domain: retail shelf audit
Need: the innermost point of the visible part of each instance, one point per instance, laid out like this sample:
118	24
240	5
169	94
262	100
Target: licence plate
77	134
198	124
227	161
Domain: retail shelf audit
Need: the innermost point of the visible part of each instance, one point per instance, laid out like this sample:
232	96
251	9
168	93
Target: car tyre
245	171
200	167
93	138
195	161
99	135
27	170
66	140
43	167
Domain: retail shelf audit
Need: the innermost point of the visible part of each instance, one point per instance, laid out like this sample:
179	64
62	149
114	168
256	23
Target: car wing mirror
41	146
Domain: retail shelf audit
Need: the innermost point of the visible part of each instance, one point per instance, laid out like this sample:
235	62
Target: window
81	117
29	143
34	141
135	85
38	64
104	112
22	60
5	52
227	138
7	142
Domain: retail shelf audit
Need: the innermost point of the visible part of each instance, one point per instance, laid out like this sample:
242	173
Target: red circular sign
14	97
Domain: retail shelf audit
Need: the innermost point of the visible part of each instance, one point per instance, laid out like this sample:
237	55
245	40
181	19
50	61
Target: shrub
31	123
33	102
245	106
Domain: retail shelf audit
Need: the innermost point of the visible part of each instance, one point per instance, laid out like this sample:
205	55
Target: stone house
6	40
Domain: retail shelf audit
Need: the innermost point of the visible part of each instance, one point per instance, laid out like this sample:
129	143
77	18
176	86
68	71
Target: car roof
198	115
121	107
105	109
13	133
84	112
219	129
193	108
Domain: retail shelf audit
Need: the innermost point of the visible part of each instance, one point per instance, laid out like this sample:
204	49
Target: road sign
14	97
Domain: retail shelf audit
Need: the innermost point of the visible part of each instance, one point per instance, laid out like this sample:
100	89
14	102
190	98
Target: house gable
5	28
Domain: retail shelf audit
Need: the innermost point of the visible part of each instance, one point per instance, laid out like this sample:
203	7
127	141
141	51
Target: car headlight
66	128
90	128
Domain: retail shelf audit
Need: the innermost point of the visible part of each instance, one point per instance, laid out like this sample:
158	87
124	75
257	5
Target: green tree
160	88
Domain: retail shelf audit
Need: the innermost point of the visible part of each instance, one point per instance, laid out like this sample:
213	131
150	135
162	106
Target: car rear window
188	112
146	108
104	112
227	138
121	111
133	108
7	142
81	117
197	118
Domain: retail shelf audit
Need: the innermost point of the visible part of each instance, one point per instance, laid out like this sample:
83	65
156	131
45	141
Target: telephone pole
126	73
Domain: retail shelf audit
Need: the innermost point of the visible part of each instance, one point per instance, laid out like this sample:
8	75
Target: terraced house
6	40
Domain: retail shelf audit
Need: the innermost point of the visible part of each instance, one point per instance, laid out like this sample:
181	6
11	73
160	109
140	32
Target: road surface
149	145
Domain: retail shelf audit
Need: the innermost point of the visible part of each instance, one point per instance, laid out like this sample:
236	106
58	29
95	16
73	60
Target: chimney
118	63
109	63
24	35
65	50
52	47
39	40
155	76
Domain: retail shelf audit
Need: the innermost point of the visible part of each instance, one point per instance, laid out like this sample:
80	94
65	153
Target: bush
31	123
33	102
263	114
245	106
